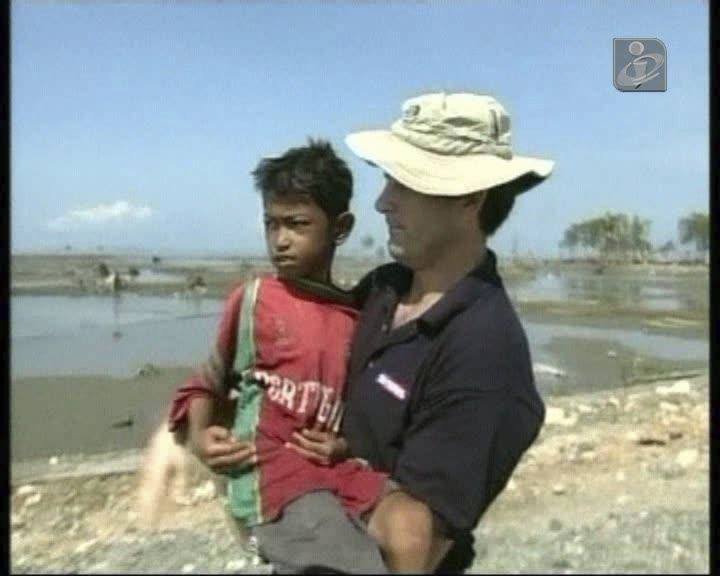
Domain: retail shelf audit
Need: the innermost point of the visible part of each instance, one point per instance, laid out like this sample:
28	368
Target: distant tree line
624	237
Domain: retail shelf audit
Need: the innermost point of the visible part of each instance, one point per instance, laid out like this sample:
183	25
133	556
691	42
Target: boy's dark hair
313	170
500	200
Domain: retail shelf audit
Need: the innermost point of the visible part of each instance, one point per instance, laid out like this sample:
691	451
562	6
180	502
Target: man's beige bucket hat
449	145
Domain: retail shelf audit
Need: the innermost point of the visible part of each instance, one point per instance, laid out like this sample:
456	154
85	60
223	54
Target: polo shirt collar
464	293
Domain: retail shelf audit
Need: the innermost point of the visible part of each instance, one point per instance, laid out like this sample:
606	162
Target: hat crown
455	124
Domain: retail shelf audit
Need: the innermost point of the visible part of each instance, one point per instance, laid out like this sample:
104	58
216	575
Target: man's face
421	227
298	235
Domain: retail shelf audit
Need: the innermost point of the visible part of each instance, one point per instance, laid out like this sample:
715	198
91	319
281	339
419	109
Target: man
441	392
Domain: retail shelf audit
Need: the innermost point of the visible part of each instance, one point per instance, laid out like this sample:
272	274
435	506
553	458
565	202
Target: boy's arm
214	378
322	447
202	403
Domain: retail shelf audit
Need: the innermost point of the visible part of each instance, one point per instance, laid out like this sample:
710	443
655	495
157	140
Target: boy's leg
314	534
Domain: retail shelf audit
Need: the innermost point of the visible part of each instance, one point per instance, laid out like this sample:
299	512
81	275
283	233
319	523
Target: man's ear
475	201
343	226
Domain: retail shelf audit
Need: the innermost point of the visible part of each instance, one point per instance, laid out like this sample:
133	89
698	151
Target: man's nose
382	204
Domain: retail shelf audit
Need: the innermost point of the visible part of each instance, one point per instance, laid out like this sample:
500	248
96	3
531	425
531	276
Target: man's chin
397	253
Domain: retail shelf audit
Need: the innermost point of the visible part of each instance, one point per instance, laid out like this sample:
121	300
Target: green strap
244	487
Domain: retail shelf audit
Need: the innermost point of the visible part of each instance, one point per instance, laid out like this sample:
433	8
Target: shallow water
62	335
631	290
54	335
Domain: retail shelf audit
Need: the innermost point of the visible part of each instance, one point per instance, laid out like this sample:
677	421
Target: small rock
585	446
650	441
558	489
511	486
679	387
675	434
585	409
555	525
556	416
26	490
147	370
620	476
85	546
678	552
255	561
612	401
123	423
622	499
686	458
668	407
53	461
548	370
204	492
33	499
236	565
632	436
612	354
187	568
16	521
588	456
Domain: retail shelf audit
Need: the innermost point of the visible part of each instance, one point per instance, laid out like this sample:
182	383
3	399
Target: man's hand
220	452
322	447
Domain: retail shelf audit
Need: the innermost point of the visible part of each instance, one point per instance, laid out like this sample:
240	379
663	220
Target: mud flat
616	483
70	415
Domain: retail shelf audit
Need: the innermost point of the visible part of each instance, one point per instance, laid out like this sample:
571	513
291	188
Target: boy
286	339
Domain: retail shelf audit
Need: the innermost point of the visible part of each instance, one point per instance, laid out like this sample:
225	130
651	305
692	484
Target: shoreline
112	435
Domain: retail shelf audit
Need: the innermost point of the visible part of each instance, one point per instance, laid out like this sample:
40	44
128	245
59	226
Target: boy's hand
220	452
322	447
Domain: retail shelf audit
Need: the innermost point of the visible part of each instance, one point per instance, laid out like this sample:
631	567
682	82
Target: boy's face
300	237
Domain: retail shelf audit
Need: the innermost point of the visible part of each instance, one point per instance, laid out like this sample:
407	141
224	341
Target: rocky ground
616	483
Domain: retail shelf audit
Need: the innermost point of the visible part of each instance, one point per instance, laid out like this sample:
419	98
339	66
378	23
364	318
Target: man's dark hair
500	200
313	170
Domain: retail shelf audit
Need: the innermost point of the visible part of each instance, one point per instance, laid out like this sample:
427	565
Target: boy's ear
343	226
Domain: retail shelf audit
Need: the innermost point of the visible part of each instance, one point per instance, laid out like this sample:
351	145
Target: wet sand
57	416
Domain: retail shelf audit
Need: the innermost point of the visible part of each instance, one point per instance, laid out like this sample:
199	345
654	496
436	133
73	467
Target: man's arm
410	535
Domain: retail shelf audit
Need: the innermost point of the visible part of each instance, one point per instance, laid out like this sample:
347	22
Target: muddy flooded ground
82	345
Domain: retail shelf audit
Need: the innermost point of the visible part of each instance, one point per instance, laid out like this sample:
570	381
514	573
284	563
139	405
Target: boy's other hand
221	452
322	447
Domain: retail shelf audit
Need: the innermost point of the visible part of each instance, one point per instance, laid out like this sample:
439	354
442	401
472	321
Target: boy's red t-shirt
299	344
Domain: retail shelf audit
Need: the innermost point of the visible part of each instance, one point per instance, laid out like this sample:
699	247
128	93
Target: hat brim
442	174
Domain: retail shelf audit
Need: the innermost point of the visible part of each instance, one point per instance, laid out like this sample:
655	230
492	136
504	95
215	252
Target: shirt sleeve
215	377
467	434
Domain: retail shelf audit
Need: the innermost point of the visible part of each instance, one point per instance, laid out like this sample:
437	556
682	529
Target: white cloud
119	212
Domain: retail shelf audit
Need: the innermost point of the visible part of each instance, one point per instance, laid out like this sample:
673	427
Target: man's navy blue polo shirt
446	403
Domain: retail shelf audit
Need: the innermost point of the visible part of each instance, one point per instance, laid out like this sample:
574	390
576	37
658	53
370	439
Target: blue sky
138	124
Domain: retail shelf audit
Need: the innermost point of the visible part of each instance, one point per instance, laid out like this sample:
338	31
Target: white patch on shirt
391	386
